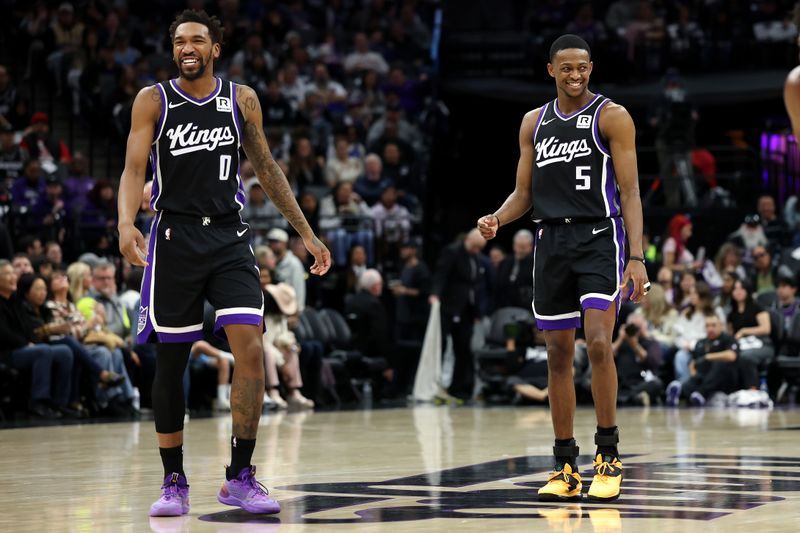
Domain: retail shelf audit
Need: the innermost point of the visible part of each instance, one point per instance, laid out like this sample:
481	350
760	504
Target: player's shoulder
793	78
148	100
613	113
243	91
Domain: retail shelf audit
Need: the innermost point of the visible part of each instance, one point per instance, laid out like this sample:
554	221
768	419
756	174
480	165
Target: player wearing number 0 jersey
192	129
577	170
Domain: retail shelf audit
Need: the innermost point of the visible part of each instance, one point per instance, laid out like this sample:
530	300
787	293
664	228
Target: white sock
222	392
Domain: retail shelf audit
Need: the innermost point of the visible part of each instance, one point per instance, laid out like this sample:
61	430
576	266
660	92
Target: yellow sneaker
563	486
607	479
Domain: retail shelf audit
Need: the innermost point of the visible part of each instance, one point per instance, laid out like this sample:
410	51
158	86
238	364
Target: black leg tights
169	405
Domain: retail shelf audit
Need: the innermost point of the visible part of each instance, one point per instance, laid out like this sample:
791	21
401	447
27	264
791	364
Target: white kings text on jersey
192	139
551	150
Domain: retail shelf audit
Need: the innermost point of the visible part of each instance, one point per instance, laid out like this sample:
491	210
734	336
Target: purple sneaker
245	492
174	500
674	393
697	399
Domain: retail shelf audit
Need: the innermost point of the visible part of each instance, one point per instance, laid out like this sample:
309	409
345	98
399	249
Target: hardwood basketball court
415	469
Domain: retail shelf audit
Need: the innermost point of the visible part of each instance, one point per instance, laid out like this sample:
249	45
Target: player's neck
569	104
200	88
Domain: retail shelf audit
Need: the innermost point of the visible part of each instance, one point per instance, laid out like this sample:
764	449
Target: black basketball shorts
576	266
192	259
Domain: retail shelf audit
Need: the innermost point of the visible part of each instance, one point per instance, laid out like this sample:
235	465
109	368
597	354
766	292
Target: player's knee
559	360
599	349
250	355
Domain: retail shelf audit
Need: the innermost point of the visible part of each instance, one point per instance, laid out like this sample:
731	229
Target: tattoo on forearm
247	395
272	178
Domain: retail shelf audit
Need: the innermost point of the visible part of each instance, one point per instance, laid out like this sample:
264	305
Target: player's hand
132	246
635	272
322	257
488	226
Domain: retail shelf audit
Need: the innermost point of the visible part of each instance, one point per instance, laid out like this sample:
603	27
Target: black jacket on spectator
371	327
514	285
15	330
456	278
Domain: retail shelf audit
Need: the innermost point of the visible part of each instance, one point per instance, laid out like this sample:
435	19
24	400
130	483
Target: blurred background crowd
391	120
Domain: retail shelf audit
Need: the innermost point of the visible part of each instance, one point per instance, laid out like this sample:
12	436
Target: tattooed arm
273	180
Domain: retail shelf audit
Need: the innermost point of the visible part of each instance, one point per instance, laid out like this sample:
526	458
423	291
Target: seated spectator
368	94
393	116
406	91
690	327
764	275
330	90
674	253
292	85
400	170
277	110
203	353
22	264
729	259
712	368
12	156
775	228
392	224
362	58
53	253
514	284
344	218
749	235
101	209
305	168
79	275
50	366
253	48
288	268
372	183
78	182
28	189
106	367
637	357
659	316
665	279
496	255
724	299
259	211
343	167
42	145
366	313
787	302
687	282
52	214
309	205
749	323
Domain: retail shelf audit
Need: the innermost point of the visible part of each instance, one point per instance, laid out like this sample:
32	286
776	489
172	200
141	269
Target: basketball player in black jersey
791	88
577	169
191	128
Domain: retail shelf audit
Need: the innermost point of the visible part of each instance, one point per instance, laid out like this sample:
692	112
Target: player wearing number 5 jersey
191	129
577	170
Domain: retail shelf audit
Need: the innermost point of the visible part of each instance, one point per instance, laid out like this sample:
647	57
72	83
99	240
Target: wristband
497	218
633	258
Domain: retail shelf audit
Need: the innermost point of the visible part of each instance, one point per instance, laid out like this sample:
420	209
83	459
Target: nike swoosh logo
595	231
546	122
171	105
240	233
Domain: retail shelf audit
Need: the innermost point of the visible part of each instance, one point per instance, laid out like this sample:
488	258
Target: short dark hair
201	17
566	41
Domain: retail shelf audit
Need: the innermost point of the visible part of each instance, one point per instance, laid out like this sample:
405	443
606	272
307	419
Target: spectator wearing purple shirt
78	182
29	187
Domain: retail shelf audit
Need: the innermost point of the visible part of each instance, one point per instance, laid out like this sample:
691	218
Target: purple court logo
700	487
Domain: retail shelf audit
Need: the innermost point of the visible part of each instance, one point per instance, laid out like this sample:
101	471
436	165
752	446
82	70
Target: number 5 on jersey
225	167
584	177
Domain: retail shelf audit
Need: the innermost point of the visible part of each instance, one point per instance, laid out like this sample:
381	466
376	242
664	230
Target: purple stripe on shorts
189	336
620	236
144	326
595	303
563	323
244	318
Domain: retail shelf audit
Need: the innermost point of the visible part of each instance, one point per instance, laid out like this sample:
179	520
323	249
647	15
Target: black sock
567	459
241	454
607	450
172	459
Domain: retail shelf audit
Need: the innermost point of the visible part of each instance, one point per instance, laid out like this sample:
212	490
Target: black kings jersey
195	153
573	175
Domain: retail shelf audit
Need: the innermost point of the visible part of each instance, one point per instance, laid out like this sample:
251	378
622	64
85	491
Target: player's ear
216	49
591	66
550	70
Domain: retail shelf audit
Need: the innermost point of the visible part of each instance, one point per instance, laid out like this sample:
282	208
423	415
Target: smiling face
193	50
571	69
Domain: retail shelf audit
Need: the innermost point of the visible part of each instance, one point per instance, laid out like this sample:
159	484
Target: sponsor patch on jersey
142	319
584	122
223	104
